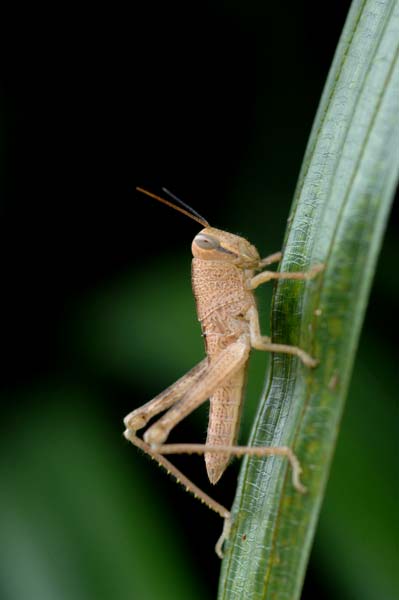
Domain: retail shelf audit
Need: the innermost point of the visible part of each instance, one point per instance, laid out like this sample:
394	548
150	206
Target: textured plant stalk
338	217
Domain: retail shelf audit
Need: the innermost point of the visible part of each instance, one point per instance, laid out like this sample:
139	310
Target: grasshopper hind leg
182	398
215	373
139	417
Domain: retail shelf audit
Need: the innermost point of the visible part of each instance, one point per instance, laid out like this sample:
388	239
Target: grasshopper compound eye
207	242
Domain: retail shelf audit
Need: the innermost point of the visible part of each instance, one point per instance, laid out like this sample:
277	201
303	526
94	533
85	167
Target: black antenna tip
186	206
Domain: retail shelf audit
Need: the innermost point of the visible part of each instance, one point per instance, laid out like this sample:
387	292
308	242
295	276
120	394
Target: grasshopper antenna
192	211
187	210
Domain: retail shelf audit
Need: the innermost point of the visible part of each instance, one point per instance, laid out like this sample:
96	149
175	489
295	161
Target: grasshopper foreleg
269	260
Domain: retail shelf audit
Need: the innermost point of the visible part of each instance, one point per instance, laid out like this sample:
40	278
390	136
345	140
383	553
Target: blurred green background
215	103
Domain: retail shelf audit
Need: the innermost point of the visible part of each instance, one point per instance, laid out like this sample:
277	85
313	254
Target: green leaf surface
338	218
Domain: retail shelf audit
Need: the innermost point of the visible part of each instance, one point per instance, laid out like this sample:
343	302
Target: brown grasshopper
223	280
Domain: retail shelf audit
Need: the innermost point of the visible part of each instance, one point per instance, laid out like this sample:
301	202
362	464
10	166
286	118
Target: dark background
216	103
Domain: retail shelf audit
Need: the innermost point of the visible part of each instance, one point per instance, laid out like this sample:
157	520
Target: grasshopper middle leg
263	342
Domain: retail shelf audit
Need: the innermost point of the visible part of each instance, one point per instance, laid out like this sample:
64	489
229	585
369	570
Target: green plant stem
338	217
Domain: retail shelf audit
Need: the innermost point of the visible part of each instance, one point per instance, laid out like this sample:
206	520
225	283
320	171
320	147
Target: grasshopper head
212	243
215	244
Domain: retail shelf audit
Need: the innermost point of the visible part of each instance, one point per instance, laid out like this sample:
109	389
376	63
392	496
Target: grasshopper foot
224	536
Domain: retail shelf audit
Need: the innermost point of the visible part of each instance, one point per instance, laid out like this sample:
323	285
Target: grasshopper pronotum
223	280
